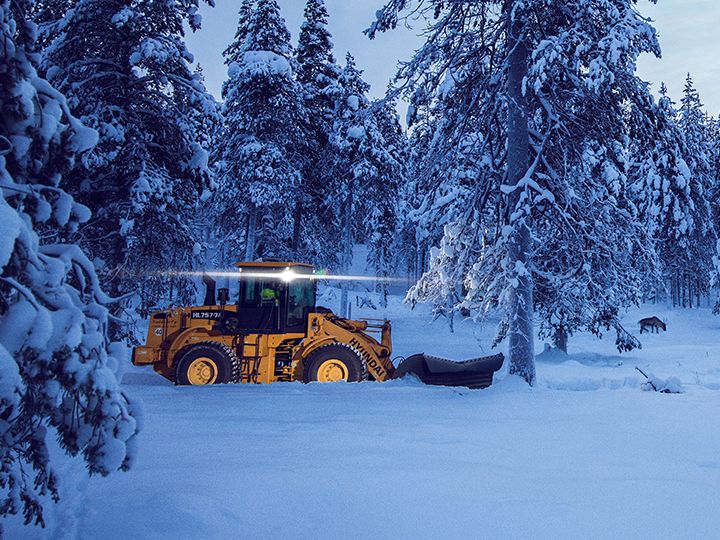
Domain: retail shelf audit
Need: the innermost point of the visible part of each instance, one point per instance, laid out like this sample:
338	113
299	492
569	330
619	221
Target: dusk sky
688	35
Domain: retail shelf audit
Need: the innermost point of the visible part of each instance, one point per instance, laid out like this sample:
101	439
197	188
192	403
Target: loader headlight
288	275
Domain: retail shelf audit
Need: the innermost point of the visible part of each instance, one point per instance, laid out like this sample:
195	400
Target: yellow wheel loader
274	331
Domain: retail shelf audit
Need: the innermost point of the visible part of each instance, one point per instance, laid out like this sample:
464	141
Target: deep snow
586	453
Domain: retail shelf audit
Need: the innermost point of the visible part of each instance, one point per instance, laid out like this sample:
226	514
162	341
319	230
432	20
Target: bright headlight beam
287	276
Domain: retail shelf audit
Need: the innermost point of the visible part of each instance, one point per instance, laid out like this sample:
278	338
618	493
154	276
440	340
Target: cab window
260	293
247	293
301	295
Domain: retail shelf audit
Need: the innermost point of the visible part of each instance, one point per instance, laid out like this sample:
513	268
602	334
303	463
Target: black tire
221	363
353	363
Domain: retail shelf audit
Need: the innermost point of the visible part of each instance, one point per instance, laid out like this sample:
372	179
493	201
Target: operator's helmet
268	295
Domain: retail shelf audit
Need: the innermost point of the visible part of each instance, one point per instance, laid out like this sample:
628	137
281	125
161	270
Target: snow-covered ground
586	453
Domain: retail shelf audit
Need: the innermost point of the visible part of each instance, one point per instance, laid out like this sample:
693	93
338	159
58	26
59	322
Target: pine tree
429	199
454	175
126	72
348	133
692	280
714	198
364	172
383	197
259	156
207	119
546	118
56	366
318	74
674	198
317	70
714	195
47	14
235	50
715	146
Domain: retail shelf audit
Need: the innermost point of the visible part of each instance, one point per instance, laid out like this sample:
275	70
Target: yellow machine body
271	354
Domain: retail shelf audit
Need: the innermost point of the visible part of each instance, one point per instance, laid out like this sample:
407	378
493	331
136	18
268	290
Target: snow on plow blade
475	373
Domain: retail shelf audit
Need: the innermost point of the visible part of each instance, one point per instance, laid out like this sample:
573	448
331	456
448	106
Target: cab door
259	305
300	302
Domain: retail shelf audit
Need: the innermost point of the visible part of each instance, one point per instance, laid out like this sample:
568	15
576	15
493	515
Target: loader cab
274	297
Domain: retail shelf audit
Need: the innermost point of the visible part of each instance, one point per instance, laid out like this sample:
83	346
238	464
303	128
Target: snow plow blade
475	373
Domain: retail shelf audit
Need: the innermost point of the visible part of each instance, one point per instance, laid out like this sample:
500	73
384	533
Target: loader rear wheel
334	363
206	363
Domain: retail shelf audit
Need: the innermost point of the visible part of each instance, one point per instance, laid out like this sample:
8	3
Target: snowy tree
363	169
413	231
126	72
696	132
318	74
673	192
450	171
441	176
208	120
317	70
714	195
714	124
56	367
382	196
47	14
259	156
714	198
542	89
234	52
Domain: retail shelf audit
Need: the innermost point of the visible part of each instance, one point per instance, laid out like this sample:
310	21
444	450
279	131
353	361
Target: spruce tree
318	75
57	369
714	198
234	51
547	118
693	279
363	172
259	157
426	183
674	202
714	124
383	197
454	175
317	70
126	72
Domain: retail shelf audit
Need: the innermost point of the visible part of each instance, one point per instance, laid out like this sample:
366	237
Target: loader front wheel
206	363
334	363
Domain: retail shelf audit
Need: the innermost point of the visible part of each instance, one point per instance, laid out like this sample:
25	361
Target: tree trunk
560	339
521	346
251	235
297	220
383	286
347	250
420	261
672	291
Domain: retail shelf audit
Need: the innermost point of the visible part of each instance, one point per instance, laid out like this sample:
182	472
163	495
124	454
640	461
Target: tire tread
235	364
310	359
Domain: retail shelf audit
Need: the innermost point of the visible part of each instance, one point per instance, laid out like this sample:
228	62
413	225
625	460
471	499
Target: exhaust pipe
209	290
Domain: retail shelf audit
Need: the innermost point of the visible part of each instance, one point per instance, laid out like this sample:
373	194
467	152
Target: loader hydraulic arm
324	328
